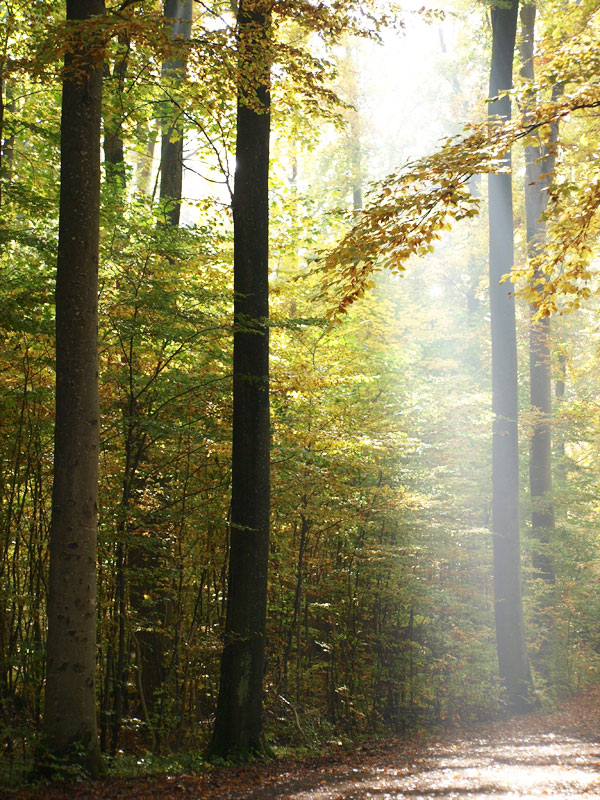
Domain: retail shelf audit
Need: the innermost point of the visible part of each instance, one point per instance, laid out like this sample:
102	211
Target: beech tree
171	153
144	559
238	723
70	706
539	160
510	635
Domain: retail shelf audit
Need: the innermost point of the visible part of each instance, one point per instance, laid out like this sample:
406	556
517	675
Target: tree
378	607
70	709
171	153
238	724
150	641
353	150
539	161
568	68
510	635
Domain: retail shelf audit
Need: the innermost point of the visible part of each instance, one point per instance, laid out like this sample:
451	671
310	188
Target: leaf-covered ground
539	755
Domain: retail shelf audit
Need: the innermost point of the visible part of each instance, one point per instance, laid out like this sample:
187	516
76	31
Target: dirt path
536	756
516	767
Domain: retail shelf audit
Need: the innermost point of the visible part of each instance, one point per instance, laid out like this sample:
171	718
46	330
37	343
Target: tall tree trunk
238	724
70	710
539	160
510	636
171	151
539	164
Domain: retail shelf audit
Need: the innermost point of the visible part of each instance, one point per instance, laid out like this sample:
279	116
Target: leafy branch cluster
407	211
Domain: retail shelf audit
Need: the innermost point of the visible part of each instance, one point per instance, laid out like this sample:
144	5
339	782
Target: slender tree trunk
151	639
120	677
540	453
114	155
238	724
70	710
539	164
144	158
2	140
354	134
559	394
114	150
351	91
296	621
510	636
171	152
7	142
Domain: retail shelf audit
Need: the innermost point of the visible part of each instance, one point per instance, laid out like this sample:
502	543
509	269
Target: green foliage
380	601
133	765
408	210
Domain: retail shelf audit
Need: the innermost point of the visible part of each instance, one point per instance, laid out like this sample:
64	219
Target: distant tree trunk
145	157
510	636
70	710
151	639
2	139
357	192
539	164
295	627
238	724
171	152
354	135
7	142
559	394
114	149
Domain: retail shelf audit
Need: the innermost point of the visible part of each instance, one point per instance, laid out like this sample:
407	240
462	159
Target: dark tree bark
70	710
238	724
539	165
171	152
510	637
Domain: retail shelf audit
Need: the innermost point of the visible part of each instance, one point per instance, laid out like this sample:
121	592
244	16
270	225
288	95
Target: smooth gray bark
171	151
510	636
539	161
539	165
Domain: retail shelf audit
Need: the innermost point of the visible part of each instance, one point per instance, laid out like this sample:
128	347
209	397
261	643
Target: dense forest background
380	603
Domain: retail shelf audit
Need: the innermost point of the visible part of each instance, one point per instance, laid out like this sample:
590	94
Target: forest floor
533	756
